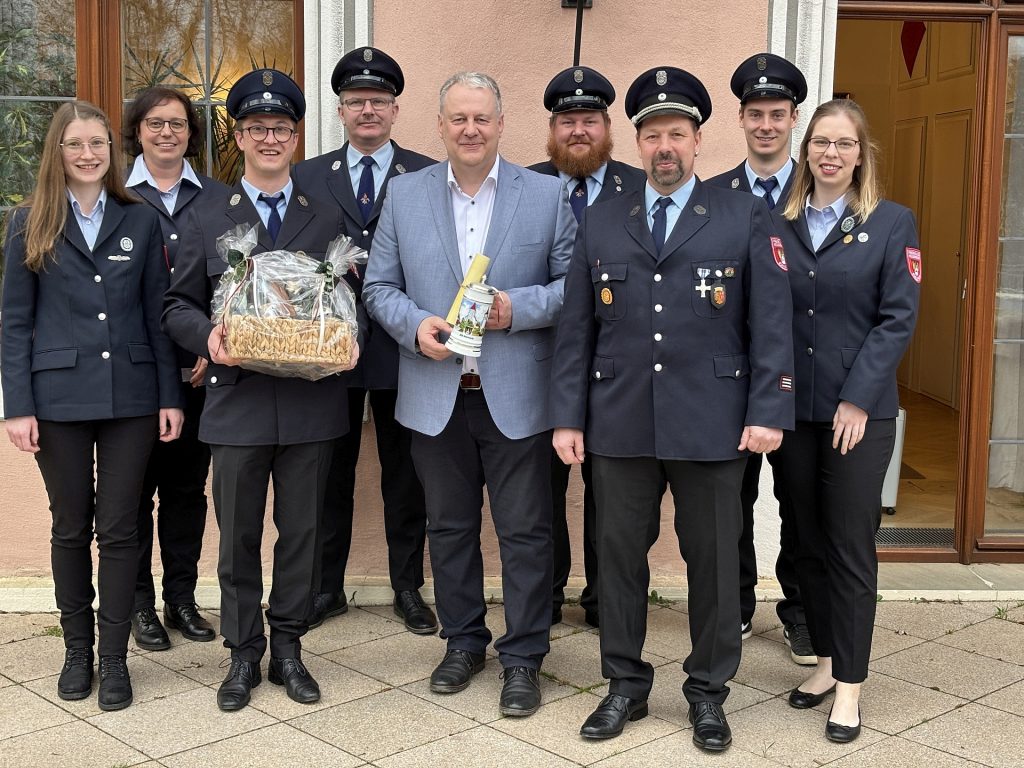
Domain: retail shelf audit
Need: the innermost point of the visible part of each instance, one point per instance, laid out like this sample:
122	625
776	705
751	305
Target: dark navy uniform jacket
244	407
378	360
81	337
644	362
855	303
189	197
619	179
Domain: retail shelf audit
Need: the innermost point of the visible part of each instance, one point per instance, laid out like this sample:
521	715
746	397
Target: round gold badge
606	295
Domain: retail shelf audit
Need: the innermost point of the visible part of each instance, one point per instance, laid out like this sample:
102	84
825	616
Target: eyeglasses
821	144
76	147
156	125
259	132
378	103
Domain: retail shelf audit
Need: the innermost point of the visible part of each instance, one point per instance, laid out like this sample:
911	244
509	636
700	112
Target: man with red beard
580	148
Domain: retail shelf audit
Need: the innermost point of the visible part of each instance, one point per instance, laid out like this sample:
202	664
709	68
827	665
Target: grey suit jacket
414	272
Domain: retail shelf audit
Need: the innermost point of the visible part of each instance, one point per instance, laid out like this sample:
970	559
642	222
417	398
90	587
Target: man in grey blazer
483	420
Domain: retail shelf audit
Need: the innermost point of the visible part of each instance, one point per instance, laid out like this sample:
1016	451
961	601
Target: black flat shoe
75	681
115	684
611	716
148	632
455	671
841	734
710	728
326	605
804	700
520	694
236	690
293	675
185	618
418	617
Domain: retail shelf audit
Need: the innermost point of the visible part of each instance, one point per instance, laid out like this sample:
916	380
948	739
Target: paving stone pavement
946	689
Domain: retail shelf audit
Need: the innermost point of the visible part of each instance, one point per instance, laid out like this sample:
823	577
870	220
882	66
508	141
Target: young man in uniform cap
769	89
355	178
580	152
672	362
259	426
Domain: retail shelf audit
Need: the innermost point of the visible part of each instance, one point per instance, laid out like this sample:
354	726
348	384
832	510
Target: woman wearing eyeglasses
854	272
87	372
162	129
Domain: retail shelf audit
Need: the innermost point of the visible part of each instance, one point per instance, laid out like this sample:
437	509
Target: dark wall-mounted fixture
572	3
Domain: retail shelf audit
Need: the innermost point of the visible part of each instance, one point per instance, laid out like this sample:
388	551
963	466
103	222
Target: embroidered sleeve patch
779	254
785	383
914	263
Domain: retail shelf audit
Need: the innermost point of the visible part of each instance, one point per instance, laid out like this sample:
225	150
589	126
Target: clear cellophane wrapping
287	314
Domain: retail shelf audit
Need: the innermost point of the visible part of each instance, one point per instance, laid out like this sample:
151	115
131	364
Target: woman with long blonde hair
87	372
854	271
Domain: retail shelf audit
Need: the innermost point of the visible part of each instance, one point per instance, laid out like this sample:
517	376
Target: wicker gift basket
287	314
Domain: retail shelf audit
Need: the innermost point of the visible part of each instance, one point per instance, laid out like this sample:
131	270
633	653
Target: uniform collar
140	174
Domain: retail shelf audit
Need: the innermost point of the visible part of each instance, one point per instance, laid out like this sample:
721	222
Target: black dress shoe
293	675
419	619
611	715
148	632
115	684
75	681
804	700
710	729
326	605
842	734
185	618
455	671
236	690
520	694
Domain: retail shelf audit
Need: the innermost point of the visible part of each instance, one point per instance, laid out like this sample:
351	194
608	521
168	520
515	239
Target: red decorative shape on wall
910	40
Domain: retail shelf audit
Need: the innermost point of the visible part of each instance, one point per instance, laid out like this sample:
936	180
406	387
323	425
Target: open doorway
918	83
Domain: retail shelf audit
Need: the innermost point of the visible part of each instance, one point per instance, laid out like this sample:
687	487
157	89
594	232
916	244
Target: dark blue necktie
364	196
660	222
769	185
578	199
274	219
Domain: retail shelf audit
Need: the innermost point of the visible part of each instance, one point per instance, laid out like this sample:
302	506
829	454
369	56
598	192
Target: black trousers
240	478
707	522
560	535
104	504
405	515
790	609
177	472
454	466
836	501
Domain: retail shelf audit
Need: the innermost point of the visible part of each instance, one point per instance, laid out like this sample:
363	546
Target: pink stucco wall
523	43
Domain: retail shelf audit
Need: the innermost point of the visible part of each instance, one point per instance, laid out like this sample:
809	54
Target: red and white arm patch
914	263
779	254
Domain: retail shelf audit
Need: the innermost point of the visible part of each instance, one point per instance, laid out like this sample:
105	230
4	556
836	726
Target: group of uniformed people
661	331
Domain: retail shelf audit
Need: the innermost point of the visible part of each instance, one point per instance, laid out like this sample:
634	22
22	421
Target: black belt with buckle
470	381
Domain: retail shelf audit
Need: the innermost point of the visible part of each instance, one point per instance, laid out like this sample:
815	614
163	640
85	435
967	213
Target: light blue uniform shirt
263	209
679	199
90	225
381	162
782	176
140	175
821	222
595	183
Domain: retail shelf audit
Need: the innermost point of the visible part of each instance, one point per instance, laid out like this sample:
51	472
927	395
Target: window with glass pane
37	73
203	47
1004	510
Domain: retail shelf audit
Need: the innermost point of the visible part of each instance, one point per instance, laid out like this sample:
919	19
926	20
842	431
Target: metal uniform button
810	350
657	307
811	274
366	233
657	366
97	279
172	270
657	337
174	236
737	374
657	278
597	374
810	313
102	316
213	379
604	275
105	355
458	360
